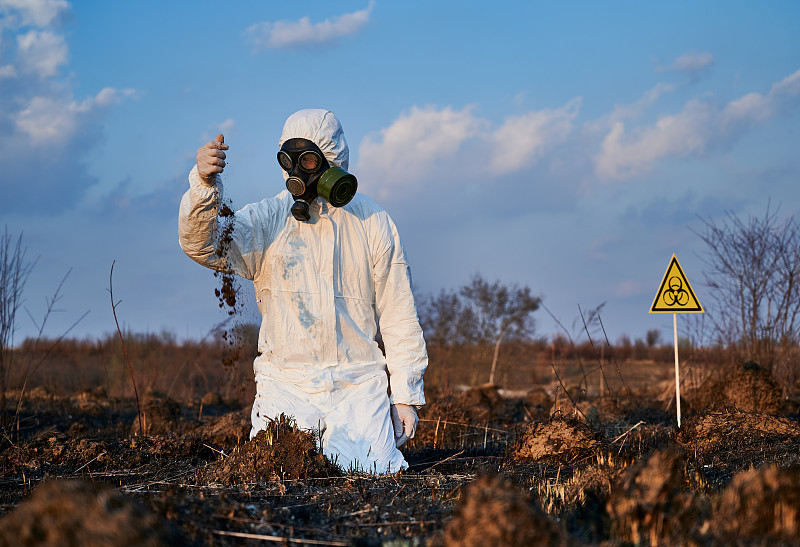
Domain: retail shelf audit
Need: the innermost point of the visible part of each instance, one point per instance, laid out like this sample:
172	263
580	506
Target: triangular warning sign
675	295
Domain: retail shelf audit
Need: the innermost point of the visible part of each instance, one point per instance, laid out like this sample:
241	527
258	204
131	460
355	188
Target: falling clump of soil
82	513
282	451
762	504
228	291
649	507
555	440
492	511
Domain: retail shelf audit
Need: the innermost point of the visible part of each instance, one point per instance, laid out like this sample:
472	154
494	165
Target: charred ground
488	466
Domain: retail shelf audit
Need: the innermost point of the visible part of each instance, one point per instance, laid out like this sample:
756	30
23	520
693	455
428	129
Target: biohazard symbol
675	295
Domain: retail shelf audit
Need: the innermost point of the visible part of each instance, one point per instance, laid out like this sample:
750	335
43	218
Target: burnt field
539	466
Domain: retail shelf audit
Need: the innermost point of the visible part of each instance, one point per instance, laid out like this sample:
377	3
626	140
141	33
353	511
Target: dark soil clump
159	415
226	432
79	513
716	431
649	506
454	422
748	388
539	403
761	504
751	388
487	395
492	511
556	439
281	452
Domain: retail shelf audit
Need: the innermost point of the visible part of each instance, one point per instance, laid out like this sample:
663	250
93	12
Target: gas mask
310	175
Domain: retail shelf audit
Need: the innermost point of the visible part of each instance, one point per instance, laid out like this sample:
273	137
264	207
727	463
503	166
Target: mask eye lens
310	161
285	160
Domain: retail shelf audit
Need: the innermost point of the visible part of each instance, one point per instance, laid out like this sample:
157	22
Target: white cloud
47	130
627	287
108	96
692	64
788	86
8	71
626	153
281	34
47	119
429	142
634	110
752	107
41	52
755	107
416	140
226	126
622	156
40	13
523	138
446	144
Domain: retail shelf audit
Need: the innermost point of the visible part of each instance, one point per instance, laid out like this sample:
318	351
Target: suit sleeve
406	355
228	244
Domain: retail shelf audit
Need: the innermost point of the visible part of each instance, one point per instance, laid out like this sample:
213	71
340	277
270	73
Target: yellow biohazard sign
675	295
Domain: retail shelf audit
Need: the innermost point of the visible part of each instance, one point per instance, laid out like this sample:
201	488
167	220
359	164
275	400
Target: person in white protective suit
327	279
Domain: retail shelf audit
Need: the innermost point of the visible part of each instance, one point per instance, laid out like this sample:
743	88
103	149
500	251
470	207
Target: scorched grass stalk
124	350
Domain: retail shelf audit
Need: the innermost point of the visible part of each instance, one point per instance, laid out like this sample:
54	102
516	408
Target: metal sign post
675	296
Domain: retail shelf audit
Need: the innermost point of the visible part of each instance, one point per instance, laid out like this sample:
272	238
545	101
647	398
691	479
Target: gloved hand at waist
404	418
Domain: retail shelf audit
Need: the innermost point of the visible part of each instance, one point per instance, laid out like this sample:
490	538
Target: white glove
211	159
404	418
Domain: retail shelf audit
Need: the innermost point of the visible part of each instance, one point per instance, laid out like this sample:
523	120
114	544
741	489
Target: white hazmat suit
323	288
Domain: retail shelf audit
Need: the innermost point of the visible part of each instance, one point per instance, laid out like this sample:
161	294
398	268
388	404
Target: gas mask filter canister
310	175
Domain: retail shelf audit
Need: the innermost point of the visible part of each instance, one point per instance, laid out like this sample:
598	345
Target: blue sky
568	146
